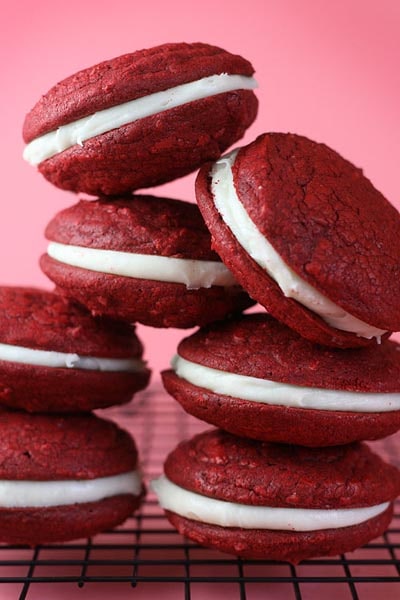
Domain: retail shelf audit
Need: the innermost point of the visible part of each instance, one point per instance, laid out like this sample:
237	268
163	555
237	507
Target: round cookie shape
256	378
56	357
292	503
141	119
319	247
63	478
141	258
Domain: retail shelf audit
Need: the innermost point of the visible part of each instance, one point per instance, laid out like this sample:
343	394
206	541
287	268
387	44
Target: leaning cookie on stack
309	237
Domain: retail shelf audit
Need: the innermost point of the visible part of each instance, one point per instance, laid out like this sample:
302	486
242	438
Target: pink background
329	70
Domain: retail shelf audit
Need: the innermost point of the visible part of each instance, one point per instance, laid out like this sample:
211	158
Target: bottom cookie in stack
63	478
272	501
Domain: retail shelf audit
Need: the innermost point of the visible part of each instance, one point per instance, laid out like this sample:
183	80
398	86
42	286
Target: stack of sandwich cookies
303	233
64	477
308	237
135	121
143	259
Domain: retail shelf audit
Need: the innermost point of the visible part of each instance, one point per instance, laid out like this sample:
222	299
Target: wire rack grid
146	557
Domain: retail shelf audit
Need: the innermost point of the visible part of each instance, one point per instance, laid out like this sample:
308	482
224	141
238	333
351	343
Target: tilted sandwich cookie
141	119
308	236
141	258
63	478
273	501
255	377
56	357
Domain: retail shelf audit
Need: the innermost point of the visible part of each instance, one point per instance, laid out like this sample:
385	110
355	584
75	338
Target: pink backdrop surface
326	70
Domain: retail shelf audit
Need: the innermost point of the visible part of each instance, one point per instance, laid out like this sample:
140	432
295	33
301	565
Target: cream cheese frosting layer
261	251
19	494
275	393
229	514
77	132
194	274
64	360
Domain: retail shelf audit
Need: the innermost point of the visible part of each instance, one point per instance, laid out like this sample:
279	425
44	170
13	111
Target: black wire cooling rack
146	557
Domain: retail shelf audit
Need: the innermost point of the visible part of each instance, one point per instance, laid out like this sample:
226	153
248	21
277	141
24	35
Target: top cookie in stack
141	119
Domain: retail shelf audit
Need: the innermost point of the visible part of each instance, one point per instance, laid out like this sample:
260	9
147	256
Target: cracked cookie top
223	466
46	447
257	345
40	319
308	236
326	221
138	224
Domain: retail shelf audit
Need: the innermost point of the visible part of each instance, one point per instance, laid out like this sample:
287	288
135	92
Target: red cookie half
56	357
141	258
308	236
257	378
63	478
272	501
141	119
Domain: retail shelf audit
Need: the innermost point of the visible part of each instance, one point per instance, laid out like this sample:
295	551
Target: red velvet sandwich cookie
272	501
308	236
63	478
141	259
141	119
257	378
56	357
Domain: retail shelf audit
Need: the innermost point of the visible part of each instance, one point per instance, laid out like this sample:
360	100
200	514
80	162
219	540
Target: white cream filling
79	131
261	251
192	273
64	360
265	391
18	494
229	514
